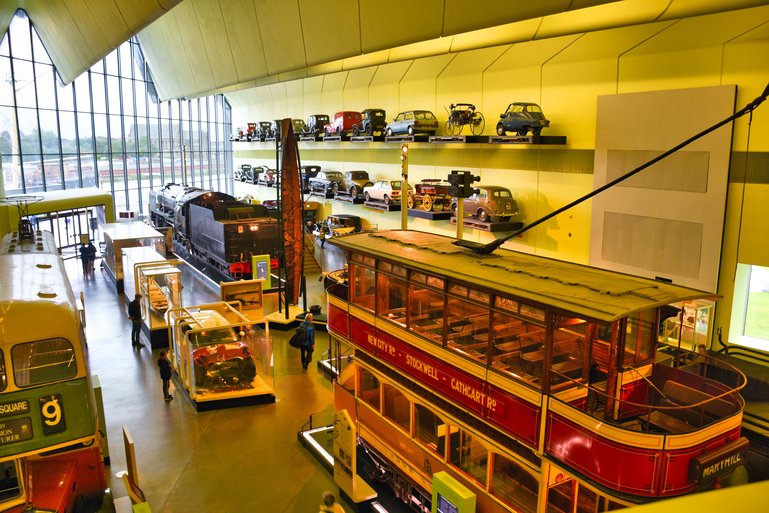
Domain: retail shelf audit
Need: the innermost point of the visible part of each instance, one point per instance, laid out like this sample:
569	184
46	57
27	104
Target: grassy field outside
757	315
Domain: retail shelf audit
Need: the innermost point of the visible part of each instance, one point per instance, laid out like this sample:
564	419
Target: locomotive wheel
501	130
410	201
478	124
427	203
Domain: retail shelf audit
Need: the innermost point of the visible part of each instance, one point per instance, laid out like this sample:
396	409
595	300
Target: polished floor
229	460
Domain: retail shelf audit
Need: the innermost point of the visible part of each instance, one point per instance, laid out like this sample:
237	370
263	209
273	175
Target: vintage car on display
413	122
316	124
430	195
489	203
244	173
265	175
305	173
461	114
226	363
522	118
340	224
326	181
343	122
353	183
263	130
373	121
386	191
298	125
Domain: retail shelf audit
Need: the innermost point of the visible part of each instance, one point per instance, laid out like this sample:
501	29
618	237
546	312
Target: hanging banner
291	210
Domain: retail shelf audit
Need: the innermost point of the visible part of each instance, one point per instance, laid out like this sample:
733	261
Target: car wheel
354	191
427	203
369	130
339	130
483	215
367	196
501	130
389	132
355	130
386	199
536	131
410	201
504	218
454	209
411	130
523	131
335	188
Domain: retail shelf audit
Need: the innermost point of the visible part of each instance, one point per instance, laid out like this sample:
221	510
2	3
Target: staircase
311	266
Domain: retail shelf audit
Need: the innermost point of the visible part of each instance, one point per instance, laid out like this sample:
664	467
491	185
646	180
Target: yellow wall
565	75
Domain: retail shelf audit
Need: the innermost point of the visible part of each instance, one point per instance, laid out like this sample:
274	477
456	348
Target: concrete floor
229	460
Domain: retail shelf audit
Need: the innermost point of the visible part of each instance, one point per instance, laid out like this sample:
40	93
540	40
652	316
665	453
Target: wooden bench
688	418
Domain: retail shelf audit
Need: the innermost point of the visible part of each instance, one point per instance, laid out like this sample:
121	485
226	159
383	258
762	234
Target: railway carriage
535	383
50	444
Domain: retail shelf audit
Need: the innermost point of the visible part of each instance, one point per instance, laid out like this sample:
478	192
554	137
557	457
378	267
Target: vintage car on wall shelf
305	173
244	173
343	122
263	130
298	125
352	183
340	224
265	176
373	121
461	114
316	124
325	181
386	191
430	195
489	203
413	122
522	118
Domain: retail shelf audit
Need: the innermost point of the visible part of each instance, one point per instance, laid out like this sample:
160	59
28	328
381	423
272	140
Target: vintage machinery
430	195
461	114
216	229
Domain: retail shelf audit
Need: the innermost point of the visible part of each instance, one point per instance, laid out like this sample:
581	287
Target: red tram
535	383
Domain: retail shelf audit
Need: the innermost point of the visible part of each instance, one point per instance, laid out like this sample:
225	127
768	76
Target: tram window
511	483
45	361
363	287
397	407
391	300
517	347
426	308
560	497
3	375
9	481
587	500
469	455
638	337
467	328
369	388
568	357
429	429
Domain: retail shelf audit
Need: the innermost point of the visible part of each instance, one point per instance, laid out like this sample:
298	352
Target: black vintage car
244	173
263	130
372	121
315	124
307	172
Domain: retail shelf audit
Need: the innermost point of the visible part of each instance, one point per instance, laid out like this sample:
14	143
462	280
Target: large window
750	310
106	129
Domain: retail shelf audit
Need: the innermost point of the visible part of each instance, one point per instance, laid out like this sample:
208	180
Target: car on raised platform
265	176
316	124
244	173
413	122
386	191
522	118
326	181
343	122
489	203
373	121
352	183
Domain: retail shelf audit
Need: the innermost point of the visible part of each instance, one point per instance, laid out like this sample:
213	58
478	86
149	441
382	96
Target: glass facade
107	129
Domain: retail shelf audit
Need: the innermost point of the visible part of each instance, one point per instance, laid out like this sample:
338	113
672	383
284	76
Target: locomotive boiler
215	230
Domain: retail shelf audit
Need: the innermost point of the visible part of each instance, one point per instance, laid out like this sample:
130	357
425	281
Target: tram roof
587	292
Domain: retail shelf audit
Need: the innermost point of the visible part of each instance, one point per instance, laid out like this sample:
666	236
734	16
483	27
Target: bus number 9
52	414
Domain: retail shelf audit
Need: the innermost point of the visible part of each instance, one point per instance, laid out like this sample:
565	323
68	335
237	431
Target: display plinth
499	226
528	139
355	200
449	139
310	138
433	216
333	138
381	206
362	138
407	138
325	195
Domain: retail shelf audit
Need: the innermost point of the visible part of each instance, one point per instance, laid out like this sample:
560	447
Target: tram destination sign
14	408
15	430
719	462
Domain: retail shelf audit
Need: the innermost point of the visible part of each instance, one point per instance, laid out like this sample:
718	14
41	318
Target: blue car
522	118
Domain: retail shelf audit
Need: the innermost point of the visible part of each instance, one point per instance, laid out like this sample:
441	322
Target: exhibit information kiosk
220	357
159	282
126	235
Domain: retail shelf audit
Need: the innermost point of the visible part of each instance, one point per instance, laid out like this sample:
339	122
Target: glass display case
690	326
247	294
220	356
118	236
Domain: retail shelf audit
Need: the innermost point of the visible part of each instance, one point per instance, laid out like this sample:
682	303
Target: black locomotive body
214	229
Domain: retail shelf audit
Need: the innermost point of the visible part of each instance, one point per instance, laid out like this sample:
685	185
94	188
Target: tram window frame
3	373
429	429
362	297
640	337
393	407
386	285
466	310
369	388
469	455
510	489
429	320
22	354
513	336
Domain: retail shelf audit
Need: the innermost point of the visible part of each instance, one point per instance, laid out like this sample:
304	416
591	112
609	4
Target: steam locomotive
214	230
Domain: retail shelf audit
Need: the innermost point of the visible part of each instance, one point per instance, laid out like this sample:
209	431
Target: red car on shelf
343	122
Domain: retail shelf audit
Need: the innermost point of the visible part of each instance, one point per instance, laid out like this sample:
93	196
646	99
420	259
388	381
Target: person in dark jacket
165	374
308	344
84	257
135	314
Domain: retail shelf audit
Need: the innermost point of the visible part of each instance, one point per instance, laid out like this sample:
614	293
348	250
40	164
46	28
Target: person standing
323	234
308	343
84	257
91	253
329	504
165	374
135	314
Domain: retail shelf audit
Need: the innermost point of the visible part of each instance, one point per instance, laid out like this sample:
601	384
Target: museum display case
690	326
118	236
220	356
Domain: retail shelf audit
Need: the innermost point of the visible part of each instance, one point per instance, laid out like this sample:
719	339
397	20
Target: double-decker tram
50	453
535	384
